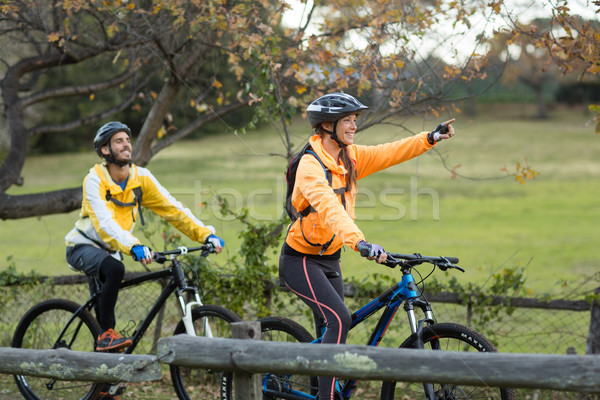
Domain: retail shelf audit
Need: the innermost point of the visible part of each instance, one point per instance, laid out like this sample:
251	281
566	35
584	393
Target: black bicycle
60	323
426	334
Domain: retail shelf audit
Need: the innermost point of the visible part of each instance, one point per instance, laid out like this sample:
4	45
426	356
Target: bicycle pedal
121	350
117	389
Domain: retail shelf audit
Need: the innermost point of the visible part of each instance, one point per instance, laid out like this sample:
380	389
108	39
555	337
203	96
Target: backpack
290	177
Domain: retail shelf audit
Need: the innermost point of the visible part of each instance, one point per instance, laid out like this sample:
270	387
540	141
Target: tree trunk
38	204
541	103
142	149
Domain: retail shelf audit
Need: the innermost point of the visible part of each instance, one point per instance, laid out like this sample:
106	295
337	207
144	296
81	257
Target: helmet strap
334	135
112	159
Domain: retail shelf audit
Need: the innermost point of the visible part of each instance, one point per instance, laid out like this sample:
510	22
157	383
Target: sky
465	43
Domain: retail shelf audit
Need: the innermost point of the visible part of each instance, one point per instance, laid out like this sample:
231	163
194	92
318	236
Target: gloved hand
442	131
369	250
140	252
216	241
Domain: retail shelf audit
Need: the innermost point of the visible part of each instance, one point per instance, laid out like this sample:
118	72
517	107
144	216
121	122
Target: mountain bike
426	334
60	323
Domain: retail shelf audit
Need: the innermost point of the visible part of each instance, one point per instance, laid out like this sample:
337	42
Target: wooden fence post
593	341
247	386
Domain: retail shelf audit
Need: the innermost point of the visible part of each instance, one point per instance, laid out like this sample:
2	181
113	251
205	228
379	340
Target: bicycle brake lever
391	261
445	267
160	258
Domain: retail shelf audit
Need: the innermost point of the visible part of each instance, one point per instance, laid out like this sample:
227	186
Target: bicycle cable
422	288
197	262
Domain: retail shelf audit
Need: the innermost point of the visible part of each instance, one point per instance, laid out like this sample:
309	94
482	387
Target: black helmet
106	132
332	107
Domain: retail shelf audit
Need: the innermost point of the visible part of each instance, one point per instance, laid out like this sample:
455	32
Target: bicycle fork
416	328
186	309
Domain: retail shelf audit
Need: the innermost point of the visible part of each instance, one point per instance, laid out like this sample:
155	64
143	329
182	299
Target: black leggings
110	274
319	284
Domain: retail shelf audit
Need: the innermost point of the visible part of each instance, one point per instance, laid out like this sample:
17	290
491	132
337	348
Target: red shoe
112	340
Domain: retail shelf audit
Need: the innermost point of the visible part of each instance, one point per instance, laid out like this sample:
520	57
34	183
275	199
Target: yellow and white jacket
312	189
104	223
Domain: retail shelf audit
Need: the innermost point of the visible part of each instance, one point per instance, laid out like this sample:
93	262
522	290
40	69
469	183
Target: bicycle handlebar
411	260
163	256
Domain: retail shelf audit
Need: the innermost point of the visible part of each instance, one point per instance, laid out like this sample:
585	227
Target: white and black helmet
332	107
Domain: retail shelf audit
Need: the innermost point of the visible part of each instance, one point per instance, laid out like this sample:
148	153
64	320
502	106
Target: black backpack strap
137	201
341	191
324	246
137	192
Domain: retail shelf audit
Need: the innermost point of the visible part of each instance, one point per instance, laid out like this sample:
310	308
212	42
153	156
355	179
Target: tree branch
197	123
77	90
47	129
37	204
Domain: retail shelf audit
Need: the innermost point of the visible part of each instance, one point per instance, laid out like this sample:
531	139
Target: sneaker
107	396
112	340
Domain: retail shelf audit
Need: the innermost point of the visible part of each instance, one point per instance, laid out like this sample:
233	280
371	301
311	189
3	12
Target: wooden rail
536	371
247	358
68	365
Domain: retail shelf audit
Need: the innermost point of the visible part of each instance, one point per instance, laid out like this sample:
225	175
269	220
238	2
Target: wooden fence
246	358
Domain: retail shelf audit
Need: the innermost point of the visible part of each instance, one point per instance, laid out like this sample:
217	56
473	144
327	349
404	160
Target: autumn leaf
216	84
53	37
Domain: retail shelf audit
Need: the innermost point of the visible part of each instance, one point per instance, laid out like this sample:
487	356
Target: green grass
484	218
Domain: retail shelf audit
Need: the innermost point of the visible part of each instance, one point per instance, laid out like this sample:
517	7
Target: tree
571	41
142	57
163	63
525	64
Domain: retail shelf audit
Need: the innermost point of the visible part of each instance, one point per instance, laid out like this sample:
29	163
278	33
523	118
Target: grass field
484	218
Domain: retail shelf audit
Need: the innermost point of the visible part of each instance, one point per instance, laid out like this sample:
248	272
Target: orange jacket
311	188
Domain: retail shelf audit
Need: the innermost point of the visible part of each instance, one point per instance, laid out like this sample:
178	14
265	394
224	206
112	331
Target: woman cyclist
309	263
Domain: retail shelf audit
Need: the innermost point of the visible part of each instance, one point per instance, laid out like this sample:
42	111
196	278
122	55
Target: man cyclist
113	193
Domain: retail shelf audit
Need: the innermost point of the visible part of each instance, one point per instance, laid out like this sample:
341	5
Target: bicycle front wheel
278	329
196	383
40	328
447	337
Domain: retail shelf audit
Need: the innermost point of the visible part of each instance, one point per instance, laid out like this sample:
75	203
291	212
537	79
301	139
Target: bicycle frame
177	284
405	292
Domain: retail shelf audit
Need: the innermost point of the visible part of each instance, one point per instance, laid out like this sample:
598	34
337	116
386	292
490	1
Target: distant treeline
578	93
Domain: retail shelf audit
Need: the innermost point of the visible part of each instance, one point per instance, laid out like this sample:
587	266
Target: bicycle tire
452	337
195	383
278	329
39	329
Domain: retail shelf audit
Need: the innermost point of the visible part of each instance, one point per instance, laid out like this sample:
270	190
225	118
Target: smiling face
120	144
345	129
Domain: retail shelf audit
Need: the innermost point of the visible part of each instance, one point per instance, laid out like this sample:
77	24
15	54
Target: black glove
434	136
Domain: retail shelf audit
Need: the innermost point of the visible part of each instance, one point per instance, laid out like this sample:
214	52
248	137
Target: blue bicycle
426	333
